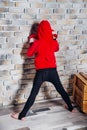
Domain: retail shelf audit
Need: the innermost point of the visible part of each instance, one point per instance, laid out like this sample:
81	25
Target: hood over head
44	30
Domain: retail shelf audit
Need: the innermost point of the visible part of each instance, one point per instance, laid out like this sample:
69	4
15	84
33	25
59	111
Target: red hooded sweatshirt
44	47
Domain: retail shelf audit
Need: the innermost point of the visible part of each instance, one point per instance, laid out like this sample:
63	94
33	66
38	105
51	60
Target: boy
44	49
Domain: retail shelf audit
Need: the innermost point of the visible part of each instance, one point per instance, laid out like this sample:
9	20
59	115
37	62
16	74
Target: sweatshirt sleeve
32	49
55	46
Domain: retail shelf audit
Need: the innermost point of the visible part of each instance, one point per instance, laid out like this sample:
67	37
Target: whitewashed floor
50	117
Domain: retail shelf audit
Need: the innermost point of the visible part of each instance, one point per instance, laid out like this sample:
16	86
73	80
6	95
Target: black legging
42	75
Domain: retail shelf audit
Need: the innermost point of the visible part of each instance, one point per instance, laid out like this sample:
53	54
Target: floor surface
49	115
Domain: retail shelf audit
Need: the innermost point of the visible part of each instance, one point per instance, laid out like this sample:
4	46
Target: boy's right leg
36	86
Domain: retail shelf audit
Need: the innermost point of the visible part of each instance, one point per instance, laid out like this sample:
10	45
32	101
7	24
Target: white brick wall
67	17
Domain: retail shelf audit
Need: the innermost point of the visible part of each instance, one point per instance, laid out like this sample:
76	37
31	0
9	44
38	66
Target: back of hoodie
44	47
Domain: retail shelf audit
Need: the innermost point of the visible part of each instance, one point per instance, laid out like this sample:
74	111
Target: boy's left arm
32	49
56	46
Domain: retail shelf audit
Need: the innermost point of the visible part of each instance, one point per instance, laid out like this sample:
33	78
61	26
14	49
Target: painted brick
6	34
84	0
37	5
66	5
19	22
2	15
7	3
46	11
16	10
22	4
51	5
11	28
49	0
76	1
5	22
62	1
16	40
2	40
2	9
13	16
59	11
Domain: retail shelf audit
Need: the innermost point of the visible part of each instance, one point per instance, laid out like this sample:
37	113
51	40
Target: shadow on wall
70	88
28	72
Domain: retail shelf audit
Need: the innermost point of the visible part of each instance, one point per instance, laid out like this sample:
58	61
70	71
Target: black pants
42	75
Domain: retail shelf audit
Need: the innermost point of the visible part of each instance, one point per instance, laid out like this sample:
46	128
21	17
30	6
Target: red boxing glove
54	34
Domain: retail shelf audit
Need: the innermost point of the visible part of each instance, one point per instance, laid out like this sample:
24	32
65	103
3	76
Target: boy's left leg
57	83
